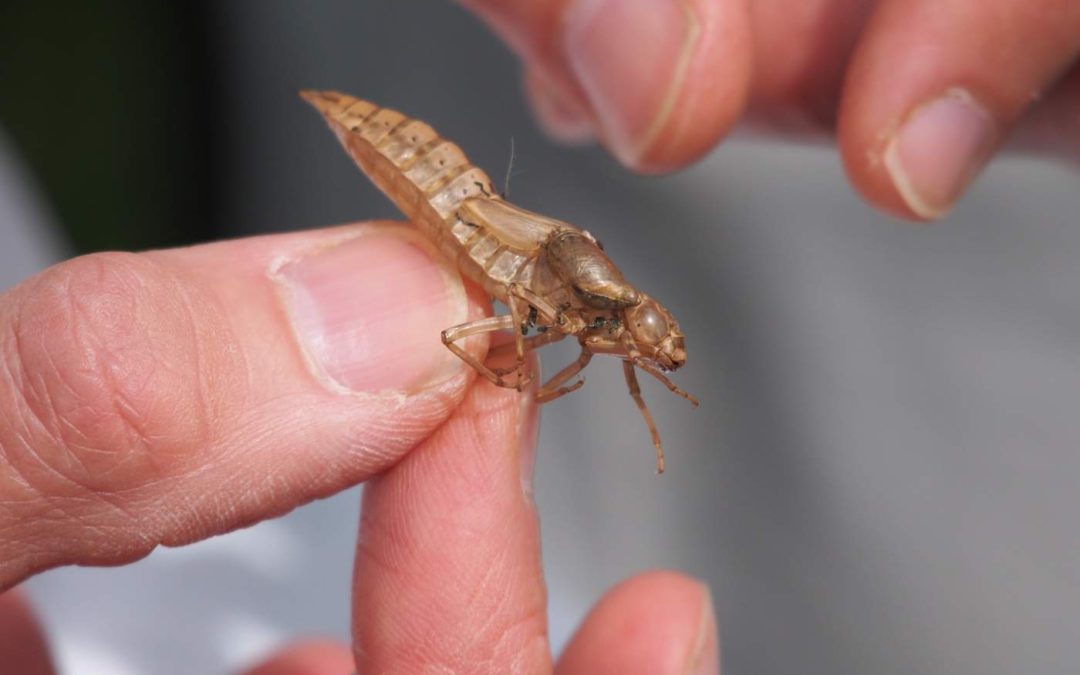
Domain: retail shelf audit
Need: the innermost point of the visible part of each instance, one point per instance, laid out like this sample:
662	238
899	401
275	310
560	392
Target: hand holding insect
165	397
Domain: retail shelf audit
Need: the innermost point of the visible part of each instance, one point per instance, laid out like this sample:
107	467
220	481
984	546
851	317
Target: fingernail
368	312
939	150
704	657
630	57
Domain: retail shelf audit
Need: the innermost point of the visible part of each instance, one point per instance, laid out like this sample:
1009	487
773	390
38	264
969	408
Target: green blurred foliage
104	101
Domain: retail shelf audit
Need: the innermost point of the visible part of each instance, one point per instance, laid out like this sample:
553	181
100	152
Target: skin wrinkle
79	451
137	421
56	424
102	355
86	516
34	416
527	619
95	544
207	405
389	426
66	433
209	512
339	473
503	627
21	434
199	366
532	622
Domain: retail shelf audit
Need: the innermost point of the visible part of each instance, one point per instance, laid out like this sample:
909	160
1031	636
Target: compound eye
649	325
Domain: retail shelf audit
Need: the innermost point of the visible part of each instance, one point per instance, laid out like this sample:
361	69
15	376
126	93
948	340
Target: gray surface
882	476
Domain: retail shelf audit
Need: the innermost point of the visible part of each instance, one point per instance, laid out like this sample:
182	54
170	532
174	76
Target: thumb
163	397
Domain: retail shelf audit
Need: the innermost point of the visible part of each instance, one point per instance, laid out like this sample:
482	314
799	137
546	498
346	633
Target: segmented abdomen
426	176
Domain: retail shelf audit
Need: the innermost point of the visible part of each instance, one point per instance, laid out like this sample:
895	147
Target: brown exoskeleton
555	279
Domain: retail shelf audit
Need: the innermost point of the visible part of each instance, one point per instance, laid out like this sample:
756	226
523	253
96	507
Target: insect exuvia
555	278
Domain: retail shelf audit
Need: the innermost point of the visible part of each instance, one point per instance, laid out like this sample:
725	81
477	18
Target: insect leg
521	302
487	325
532	342
552	389
543	307
520	328
635	392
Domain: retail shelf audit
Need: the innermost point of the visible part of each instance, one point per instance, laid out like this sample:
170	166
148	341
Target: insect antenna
509	170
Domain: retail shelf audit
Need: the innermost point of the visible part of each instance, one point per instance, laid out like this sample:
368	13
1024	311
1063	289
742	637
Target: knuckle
105	375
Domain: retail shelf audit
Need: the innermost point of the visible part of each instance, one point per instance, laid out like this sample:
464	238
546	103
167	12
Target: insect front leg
524	306
487	325
545	309
635	393
519	315
532	342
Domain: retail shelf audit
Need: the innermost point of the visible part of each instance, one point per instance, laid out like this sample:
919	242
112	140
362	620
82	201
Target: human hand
919	93
164	397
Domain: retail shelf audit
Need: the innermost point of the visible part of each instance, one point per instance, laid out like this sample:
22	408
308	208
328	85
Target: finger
448	575
1052	125
23	648
660	81
561	116
163	397
310	657
801	51
936	85
659	623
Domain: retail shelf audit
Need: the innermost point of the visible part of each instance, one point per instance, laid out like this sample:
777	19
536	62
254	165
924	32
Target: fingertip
308	657
917	165
664	81
934	88
937	151
23	648
656	623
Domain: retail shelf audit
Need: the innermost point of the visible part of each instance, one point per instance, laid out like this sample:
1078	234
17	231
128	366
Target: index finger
448	575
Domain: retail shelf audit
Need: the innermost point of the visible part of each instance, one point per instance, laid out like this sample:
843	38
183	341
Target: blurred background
882	477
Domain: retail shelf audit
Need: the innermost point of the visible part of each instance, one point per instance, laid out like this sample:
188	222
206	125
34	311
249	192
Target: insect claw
523	379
